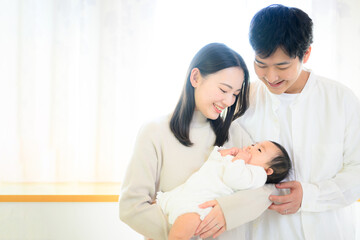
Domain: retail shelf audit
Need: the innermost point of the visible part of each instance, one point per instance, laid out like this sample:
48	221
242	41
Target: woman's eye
222	90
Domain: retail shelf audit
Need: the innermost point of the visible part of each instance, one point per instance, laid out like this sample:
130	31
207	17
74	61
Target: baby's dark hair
281	165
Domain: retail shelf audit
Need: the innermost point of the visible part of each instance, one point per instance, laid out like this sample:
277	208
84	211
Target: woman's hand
214	223
288	204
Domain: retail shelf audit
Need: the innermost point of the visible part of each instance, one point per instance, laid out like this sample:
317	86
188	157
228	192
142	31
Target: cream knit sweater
160	163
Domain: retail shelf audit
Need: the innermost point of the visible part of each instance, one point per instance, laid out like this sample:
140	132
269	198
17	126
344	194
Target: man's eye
283	68
261	66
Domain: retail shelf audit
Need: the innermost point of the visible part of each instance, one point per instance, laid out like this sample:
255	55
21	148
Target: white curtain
79	77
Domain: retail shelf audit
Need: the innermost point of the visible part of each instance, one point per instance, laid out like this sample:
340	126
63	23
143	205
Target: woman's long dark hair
210	59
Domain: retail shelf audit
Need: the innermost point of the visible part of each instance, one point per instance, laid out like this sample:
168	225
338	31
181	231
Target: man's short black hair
279	26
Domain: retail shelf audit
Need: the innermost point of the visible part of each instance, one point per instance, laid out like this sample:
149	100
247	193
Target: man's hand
287	204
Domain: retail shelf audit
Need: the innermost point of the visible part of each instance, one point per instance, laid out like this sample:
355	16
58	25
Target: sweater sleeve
140	185
245	206
344	188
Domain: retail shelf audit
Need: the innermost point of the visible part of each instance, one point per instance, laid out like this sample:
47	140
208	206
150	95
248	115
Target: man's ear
269	171
195	77
307	55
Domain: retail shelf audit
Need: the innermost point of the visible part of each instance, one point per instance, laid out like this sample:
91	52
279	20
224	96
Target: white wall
68	221
63	221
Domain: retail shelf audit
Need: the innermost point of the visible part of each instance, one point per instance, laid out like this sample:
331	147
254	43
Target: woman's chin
213	116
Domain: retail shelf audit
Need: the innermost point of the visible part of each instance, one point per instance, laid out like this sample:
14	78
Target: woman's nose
229	100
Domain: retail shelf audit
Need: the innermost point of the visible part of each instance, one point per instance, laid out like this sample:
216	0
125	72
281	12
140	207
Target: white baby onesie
217	177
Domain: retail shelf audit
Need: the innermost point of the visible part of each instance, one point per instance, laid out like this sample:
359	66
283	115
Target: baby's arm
184	226
239	176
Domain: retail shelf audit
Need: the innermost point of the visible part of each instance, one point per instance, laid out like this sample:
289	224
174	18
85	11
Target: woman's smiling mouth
218	109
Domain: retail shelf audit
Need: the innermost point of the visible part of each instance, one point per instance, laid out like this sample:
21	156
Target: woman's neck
198	119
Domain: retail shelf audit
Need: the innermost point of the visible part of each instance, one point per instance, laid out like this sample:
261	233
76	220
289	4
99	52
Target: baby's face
262	153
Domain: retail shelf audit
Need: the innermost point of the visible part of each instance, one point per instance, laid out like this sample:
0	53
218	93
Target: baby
225	172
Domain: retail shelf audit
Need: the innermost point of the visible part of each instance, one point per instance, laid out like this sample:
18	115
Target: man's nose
271	76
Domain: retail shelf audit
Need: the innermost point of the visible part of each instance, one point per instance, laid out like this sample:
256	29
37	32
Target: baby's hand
242	154
231	151
238	153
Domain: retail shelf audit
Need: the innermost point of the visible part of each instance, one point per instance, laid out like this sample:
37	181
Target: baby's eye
259	149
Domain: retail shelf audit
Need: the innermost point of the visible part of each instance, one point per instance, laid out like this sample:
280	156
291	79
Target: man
318	122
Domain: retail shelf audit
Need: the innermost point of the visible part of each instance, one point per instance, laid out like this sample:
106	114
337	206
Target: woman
168	150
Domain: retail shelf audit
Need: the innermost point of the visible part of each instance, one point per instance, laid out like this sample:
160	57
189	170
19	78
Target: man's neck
300	83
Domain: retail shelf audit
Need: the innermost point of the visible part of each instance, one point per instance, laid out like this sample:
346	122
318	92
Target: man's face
281	73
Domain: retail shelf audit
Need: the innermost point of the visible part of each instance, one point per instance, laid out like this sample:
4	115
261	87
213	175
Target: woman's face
216	91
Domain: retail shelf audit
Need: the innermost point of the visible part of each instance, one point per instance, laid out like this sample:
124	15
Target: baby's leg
184	226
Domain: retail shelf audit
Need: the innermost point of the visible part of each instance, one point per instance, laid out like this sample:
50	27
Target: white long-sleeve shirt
219	176
160	163
325	133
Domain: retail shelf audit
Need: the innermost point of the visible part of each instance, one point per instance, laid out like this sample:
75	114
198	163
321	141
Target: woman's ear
269	171
195	77
307	55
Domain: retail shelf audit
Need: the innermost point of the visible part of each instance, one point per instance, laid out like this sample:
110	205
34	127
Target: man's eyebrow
283	63
225	84
258	61
277	64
